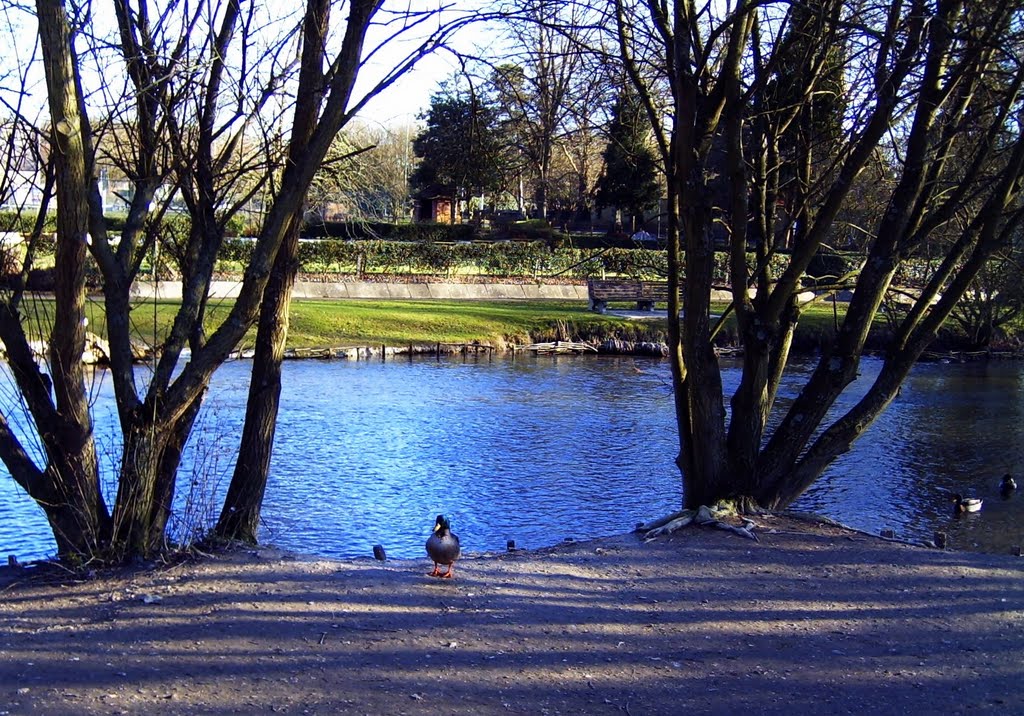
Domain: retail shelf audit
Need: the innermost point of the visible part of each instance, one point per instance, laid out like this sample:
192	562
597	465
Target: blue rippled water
538	449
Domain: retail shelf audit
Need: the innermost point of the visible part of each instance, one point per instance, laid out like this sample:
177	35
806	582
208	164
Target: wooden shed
435	204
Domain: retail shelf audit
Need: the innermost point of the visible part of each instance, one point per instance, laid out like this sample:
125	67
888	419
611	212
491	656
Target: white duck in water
966	504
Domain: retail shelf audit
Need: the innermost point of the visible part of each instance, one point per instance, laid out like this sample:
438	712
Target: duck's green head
441	524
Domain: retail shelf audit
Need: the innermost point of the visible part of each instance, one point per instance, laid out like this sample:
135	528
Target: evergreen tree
630	177
460	149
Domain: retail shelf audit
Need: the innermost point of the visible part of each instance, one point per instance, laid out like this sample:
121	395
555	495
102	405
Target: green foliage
420	248
116	222
529	230
629	180
22	222
994	302
522	259
368	230
44	279
827	267
460	146
236	251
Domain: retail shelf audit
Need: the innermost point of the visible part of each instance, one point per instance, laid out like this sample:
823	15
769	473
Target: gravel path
811	619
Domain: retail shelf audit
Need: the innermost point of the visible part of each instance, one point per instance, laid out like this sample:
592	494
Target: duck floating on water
1007	484
963	504
443	547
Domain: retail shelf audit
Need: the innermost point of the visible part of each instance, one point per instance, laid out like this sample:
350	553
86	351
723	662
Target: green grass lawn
326	323
319	323
333	323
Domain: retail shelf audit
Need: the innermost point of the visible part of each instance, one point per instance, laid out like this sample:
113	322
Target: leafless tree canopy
195	109
777	111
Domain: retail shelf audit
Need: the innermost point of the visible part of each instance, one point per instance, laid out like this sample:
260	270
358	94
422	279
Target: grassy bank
322	323
325	323
395	323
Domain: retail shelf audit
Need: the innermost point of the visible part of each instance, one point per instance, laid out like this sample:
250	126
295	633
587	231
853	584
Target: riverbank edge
637	333
608	346
476	349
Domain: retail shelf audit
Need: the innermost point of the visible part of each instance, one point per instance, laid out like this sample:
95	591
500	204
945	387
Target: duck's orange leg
449	574
436	572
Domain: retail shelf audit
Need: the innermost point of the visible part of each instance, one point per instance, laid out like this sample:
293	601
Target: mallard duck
966	504
1007	484
443	547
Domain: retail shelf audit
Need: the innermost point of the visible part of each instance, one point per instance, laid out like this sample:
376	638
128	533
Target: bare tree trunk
240	515
78	514
167	474
704	435
959	161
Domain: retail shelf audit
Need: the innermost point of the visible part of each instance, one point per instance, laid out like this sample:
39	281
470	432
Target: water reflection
540	449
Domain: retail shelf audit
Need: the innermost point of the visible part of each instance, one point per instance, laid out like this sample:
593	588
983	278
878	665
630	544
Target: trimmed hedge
827	267
373	230
500	258
533	259
22	222
530	250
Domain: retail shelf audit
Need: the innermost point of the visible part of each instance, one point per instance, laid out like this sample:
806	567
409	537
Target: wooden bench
645	293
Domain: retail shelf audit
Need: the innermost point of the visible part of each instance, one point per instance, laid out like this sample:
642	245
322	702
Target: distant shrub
44	279
374	230
23	222
826	267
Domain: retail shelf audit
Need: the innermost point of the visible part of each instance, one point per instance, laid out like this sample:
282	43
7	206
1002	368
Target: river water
540	449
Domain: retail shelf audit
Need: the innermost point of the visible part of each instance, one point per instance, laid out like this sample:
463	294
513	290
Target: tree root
703	516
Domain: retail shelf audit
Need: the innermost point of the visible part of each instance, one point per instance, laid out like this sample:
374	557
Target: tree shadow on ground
817	619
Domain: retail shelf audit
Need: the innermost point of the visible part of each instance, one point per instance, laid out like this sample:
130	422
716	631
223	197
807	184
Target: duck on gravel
443	547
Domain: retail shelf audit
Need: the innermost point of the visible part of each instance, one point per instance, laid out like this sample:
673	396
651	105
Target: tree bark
240	515
239	518
77	511
736	93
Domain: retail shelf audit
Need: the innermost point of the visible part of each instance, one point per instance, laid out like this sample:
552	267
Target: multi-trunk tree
209	94
774	110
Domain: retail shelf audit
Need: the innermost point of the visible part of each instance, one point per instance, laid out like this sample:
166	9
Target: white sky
410	95
401	102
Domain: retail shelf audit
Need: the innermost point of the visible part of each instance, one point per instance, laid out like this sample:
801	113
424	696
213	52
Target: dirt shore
810	619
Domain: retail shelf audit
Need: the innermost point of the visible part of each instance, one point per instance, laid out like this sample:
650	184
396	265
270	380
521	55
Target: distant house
434	203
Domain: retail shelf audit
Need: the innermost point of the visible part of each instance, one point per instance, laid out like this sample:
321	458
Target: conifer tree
630	177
